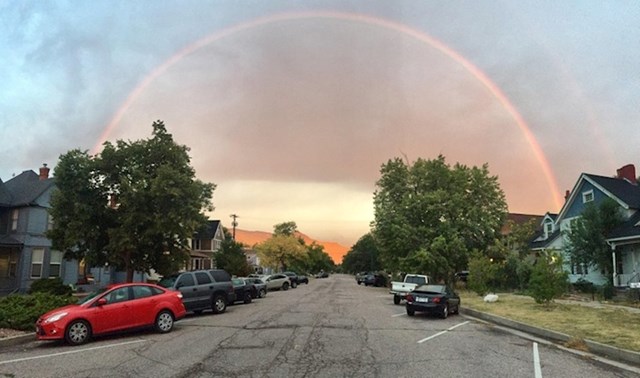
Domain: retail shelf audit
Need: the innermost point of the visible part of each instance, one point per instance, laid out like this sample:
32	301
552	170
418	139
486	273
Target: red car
114	308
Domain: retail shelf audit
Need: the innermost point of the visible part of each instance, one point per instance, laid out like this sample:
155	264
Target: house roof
518	219
23	189
208	231
624	190
543	243
9	241
630	229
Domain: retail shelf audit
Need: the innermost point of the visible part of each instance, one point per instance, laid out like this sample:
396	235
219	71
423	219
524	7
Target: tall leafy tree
363	256
587	235
433	214
280	251
231	257
135	205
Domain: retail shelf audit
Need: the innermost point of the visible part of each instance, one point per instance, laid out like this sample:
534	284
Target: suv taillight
409	298
436	300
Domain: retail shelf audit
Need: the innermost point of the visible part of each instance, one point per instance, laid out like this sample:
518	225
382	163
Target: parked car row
421	295
127	306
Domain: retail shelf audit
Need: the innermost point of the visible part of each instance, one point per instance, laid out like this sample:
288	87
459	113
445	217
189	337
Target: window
195	244
205	245
14	219
548	228
55	263
203	278
143	292
49	222
185	279
37	256
118	295
587	196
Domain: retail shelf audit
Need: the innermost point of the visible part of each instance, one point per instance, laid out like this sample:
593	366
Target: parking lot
331	327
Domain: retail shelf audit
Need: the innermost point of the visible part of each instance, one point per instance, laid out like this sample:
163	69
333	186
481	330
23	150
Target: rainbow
365	19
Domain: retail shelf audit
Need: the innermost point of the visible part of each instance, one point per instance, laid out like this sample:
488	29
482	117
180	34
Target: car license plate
420	299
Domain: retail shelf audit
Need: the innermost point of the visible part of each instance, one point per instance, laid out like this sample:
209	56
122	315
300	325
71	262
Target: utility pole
234	224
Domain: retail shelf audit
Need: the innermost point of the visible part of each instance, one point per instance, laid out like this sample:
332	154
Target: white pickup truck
411	281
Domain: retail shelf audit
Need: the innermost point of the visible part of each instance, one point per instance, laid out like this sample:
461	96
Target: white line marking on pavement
536	361
396	315
442	332
69	352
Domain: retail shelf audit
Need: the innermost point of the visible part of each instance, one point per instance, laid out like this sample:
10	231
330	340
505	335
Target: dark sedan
242	290
439	300
258	289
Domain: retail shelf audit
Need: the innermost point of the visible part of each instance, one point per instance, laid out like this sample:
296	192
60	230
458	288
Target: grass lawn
612	326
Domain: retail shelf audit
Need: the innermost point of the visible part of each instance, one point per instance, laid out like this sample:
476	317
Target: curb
602	350
15	340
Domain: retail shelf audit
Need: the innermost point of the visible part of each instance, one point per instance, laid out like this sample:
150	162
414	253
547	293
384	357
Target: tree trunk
128	267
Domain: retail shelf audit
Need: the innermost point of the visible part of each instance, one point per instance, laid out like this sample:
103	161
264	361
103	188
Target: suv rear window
220	275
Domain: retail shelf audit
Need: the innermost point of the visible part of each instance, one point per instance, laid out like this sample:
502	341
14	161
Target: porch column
613	256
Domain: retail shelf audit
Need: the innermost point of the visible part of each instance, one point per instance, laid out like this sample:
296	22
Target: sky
292	107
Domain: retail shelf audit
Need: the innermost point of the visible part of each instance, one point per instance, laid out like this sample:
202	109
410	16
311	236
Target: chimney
567	194
628	172
44	172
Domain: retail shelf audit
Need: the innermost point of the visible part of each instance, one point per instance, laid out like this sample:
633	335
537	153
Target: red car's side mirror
102	302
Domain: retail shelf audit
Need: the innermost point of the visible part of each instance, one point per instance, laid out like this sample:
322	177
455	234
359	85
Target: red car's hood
67	308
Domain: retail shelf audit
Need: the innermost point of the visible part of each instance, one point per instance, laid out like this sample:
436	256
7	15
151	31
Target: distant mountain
250	238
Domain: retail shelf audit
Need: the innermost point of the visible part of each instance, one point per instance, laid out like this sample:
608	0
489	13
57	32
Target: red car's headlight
55	317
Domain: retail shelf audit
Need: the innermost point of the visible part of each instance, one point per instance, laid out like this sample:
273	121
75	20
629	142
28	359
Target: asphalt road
329	328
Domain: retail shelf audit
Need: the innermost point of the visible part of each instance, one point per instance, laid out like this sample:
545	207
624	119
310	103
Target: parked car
277	281
374	279
462	275
202	289
400	289
296	279
361	276
242	290
322	274
258	287
112	309
435	299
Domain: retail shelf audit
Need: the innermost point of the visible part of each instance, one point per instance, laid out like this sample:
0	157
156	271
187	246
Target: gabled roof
208	231
5	195
23	189
621	190
537	243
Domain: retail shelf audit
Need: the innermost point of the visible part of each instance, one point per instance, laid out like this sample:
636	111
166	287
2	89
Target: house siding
577	206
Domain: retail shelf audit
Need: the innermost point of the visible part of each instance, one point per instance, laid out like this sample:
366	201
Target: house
624	241
25	251
204	244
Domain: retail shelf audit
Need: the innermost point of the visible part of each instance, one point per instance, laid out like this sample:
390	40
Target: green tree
231	257
286	228
587	236
431	210
135	205
363	256
279	251
548	279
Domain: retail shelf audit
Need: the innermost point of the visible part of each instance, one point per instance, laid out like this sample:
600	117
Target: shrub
633	295
548	280
607	291
21	311
482	275
53	286
584	286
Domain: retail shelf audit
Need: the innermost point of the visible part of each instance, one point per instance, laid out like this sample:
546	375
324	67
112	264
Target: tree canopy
430	216
587	235
135	205
231	257
363	256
